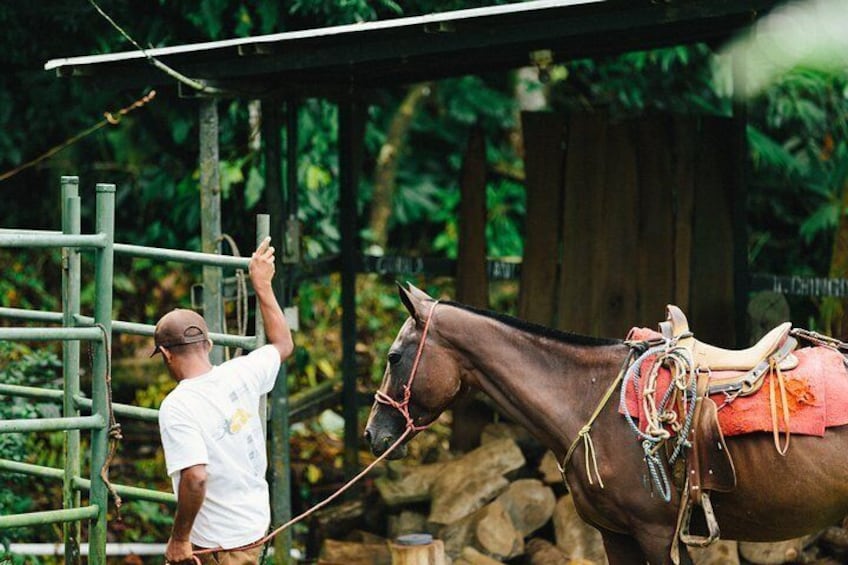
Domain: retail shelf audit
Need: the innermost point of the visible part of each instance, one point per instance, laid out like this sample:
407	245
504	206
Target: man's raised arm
261	268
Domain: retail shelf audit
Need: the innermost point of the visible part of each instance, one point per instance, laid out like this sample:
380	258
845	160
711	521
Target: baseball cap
179	327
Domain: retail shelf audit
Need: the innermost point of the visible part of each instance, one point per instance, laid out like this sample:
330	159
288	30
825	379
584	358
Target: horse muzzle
380	442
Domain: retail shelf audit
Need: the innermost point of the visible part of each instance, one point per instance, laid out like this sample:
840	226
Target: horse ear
410	300
418	293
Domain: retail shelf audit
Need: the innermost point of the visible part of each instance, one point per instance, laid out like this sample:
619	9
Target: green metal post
103	267
72	531
263	226
210	219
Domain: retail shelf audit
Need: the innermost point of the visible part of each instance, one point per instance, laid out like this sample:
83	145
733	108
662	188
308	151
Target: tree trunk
385	172
832	308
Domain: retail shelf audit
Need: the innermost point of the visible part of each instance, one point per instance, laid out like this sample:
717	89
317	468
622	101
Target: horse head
421	379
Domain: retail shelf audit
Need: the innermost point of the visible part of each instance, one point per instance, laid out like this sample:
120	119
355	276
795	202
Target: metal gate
98	329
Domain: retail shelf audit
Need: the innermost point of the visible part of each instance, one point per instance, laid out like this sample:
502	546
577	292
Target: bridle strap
403	406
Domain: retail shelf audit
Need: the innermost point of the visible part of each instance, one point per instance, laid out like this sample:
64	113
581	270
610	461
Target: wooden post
279	456
472	283
417	549
351	132
210	220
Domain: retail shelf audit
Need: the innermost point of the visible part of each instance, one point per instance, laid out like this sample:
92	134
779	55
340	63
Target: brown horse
551	382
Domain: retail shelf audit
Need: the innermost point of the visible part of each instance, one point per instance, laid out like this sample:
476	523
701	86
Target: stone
466	484
353	553
489	530
549	469
574	537
407	522
495	533
543	552
413	486
772	552
720	552
455	496
529	503
471	556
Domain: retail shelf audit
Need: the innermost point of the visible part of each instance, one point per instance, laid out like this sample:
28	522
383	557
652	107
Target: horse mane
537	329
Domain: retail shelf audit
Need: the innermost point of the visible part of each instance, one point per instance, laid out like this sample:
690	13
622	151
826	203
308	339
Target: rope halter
403	406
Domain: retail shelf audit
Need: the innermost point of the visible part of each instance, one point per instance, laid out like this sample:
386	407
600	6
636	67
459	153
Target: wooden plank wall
644	216
544	155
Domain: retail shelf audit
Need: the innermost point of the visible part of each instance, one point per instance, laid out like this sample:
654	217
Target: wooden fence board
711	312
544	147
582	217
683	149
616	252
647	220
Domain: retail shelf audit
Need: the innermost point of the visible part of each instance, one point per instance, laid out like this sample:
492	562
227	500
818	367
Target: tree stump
417	549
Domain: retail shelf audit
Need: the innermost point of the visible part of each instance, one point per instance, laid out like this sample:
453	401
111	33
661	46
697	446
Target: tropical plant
20	365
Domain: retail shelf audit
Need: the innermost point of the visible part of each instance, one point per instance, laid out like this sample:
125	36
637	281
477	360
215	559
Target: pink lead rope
382	398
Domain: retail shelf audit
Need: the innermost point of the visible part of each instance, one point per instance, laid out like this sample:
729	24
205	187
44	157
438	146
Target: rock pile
504	502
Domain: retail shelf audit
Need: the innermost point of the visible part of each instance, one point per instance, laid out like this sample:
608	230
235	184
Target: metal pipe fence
98	330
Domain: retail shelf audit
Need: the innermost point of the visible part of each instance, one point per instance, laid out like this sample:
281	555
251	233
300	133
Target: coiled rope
659	417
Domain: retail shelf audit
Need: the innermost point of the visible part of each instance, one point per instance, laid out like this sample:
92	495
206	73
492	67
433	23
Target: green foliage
30	278
144	521
20	365
798	140
675	79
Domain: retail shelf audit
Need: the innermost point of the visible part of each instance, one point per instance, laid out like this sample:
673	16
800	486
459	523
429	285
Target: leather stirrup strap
781	384
713	532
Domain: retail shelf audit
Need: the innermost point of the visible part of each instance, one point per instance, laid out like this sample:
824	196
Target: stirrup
709	516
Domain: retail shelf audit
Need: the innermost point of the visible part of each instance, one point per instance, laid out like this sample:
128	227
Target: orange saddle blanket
816	395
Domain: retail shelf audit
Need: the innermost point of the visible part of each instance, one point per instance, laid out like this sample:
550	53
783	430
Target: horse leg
622	549
655	542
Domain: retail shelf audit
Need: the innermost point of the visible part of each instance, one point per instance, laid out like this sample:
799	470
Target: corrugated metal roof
357	28
433	46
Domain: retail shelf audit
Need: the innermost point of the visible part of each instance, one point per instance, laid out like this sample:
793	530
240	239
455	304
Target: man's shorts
248	557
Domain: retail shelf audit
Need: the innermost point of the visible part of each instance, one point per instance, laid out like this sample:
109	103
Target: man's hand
261	266
178	552
261	269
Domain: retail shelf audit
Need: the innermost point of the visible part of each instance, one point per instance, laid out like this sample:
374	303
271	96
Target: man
211	428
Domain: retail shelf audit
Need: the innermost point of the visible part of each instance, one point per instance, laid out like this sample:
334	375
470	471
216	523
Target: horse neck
548	385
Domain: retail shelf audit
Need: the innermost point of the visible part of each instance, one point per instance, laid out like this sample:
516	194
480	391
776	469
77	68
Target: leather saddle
709	466
733	370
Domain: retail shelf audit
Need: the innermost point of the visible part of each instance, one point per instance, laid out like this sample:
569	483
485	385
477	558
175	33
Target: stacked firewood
504	502
488	506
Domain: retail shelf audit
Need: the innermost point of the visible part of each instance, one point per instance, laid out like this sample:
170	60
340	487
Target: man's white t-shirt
214	420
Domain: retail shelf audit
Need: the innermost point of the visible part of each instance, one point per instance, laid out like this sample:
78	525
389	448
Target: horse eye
394	357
